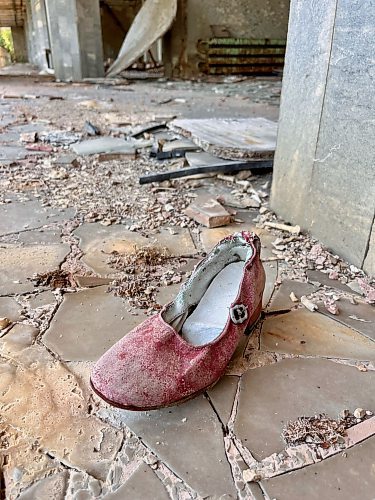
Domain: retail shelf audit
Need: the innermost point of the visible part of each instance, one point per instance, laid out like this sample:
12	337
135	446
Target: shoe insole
209	318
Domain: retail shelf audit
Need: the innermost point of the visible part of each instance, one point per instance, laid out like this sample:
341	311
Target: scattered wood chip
55	279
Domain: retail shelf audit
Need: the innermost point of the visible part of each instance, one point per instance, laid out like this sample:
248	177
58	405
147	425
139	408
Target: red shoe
184	350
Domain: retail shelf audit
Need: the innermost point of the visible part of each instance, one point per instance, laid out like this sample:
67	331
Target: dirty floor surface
67	228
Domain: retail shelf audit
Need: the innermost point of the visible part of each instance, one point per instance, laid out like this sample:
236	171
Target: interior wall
236	18
196	20
116	17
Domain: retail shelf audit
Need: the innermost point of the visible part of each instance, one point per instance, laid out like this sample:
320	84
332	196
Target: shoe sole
247	332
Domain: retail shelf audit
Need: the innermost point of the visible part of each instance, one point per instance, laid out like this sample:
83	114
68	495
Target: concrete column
76	38
324	178
37	35
19	43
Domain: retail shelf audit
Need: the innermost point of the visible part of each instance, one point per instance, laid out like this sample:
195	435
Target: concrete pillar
76	38
324	178
37	36
19	43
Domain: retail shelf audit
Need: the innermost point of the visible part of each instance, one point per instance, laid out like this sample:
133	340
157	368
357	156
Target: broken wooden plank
230	167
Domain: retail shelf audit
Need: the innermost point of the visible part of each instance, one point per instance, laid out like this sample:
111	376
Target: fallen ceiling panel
151	22
231	138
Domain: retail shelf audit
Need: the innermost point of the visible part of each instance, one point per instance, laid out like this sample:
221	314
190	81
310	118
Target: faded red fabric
153	366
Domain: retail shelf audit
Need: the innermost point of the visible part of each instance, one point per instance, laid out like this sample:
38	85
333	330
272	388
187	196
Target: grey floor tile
272	395
342	477
88	323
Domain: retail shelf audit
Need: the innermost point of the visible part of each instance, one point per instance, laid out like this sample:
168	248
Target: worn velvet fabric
153	366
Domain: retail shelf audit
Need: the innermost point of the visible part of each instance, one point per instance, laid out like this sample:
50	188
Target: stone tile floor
59	441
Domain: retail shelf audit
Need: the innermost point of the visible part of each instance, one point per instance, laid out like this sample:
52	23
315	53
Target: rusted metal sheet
241	55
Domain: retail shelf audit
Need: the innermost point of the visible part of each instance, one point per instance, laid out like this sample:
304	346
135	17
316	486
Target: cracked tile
281	298
349	476
17	264
88	323
141	485
53	486
43	236
18	216
312	334
222	396
19	337
22	461
39	237
9	308
324	279
42	299
361	310
178	242
272	395
44	401
189	439
271	277
91	281
97	242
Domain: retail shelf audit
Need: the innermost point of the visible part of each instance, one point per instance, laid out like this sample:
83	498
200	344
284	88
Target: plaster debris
352	316
311	306
284	227
320	430
331	306
29	137
293	297
359	413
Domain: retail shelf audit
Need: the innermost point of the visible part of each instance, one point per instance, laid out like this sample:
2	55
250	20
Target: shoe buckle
238	314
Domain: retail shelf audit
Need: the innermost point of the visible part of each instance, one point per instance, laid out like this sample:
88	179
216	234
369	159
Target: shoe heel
254	319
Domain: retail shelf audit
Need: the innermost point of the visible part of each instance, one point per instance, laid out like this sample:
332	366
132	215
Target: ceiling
12	13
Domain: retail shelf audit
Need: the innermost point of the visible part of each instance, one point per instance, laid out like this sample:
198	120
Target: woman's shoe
182	351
